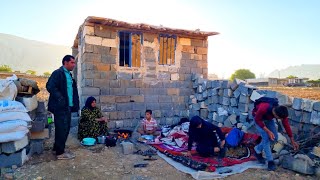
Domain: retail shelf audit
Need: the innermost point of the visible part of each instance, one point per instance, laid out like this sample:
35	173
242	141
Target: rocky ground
100	162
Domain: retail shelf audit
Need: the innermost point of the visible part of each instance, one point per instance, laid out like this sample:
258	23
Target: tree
314	83
291	77
5	68
47	74
32	72
242	74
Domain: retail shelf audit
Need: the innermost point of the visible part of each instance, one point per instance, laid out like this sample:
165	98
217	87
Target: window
167	49
130	49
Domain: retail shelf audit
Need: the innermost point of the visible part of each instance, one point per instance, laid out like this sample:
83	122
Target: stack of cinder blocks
230	104
40	130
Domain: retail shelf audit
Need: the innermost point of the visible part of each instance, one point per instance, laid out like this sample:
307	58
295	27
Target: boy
148	125
264	119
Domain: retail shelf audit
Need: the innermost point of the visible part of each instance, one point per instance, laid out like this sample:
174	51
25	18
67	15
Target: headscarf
89	102
195	121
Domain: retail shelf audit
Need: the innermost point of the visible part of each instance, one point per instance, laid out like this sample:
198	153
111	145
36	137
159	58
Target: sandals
66	156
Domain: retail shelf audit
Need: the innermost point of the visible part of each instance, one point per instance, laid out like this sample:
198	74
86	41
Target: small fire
123	135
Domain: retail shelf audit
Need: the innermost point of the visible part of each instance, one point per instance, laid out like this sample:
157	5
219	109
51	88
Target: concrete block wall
124	93
230	104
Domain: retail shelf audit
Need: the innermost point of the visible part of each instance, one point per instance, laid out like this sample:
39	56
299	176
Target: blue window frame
130	49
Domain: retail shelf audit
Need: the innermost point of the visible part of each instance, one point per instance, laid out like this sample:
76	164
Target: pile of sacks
18	114
14	128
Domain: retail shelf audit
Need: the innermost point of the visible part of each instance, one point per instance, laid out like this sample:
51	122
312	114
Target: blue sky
260	35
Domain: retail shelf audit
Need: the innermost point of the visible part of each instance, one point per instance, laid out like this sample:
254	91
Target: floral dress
89	126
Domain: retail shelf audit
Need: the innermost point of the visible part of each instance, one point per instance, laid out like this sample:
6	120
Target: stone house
129	68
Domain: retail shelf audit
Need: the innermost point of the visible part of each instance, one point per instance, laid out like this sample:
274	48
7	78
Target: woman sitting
92	123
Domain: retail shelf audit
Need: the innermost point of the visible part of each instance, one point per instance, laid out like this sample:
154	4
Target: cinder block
160	91
138	106
271	94
307	105
166	106
74	121
41	107
233	102
204	113
193	113
297	116
199	97
221	119
37	126
124	75
40	135
119	124
216	84
36	146
117	91
224	84
18	159
165	99
236	93
124	106
243	107
243	117
227	92
315	117
297	103
306	117
316	106
107	99
213	107
13	146
244	99
205	94
232	119
122	99
226	101
220	99
108	107
203	105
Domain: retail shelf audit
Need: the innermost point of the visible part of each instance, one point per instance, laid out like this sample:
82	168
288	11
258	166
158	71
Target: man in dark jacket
63	100
209	138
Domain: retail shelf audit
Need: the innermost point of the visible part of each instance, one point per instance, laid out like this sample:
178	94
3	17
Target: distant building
258	82
277	81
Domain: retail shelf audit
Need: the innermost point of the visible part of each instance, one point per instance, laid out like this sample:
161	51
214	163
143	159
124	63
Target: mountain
23	54
311	71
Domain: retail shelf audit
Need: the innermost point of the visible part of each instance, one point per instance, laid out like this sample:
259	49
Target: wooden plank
138	51
168	51
172	49
161	51
165	46
133	50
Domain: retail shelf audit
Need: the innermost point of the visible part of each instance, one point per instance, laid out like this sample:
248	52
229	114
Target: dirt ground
299	92
100	162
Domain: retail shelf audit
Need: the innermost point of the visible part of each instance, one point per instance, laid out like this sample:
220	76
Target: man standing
63	100
265	115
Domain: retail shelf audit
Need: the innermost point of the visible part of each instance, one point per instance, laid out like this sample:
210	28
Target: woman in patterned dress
92	123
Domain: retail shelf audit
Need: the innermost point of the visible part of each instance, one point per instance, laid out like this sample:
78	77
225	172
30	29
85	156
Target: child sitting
148	125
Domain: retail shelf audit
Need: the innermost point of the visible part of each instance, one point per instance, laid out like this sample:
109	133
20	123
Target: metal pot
101	139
